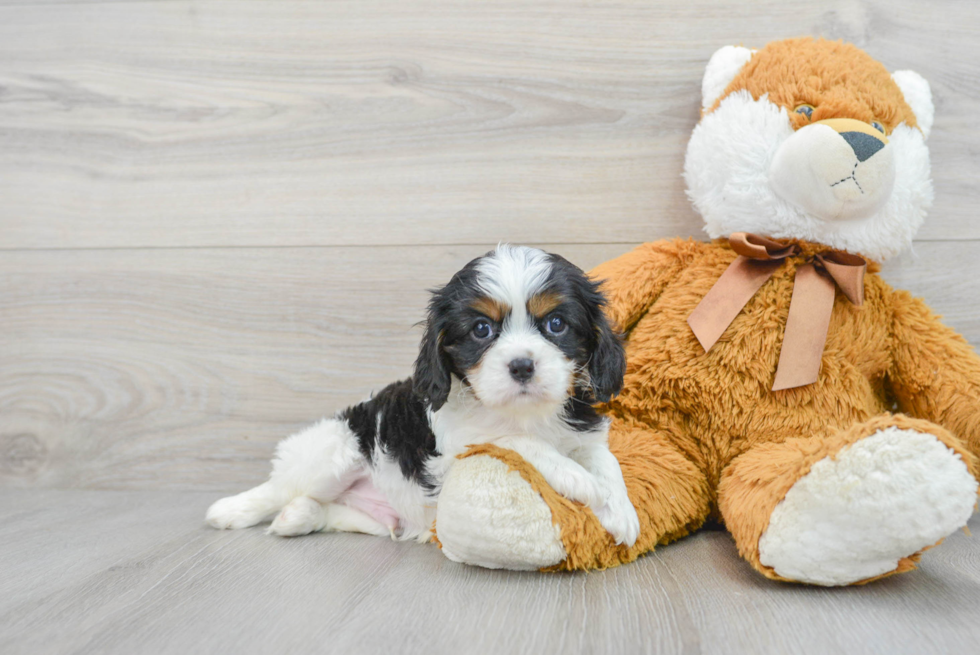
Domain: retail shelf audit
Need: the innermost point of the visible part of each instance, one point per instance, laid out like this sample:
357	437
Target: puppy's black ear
432	378
608	364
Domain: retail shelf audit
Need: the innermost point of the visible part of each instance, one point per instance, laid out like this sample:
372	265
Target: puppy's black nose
521	369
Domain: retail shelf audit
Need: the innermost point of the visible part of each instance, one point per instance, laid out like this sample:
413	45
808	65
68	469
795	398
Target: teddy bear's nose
837	174
864	145
863	139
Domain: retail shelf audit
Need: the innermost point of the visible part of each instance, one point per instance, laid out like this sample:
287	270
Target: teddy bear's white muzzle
836	171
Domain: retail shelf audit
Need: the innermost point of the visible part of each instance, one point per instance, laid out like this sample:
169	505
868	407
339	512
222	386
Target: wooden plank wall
218	220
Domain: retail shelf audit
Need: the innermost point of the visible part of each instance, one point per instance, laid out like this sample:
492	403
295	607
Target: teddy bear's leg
848	507
495	510
488	515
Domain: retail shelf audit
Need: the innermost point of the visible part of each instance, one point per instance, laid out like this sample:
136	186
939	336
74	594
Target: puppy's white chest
460	424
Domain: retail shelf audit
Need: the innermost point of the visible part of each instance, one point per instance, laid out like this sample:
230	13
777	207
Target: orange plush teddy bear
775	381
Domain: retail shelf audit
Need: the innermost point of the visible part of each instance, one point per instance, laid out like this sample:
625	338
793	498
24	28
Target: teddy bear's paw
488	515
618	517
854	516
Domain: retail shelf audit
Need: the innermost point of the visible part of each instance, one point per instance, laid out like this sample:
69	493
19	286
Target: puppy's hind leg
247	508
320	461
301	516
305	515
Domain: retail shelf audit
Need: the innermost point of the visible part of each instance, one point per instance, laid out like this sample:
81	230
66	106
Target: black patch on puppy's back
403	432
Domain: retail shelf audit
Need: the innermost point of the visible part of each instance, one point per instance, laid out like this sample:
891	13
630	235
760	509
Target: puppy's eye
555	325
806	110
483	330
878	126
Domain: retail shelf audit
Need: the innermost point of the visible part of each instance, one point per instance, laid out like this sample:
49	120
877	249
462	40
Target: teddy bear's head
814	140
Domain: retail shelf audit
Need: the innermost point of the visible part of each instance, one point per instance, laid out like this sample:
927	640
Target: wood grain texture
180	369
138	572
182	123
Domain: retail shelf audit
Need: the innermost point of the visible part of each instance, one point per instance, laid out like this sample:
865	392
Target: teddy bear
775	383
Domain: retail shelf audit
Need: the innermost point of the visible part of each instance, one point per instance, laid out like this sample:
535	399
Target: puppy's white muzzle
542	390
837	170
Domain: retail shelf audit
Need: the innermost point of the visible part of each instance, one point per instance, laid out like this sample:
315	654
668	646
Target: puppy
516	350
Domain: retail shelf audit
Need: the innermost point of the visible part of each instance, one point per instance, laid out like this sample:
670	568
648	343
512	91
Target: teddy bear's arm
935	373
632	282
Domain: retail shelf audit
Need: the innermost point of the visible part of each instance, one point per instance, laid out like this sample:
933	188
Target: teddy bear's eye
806	110
878	126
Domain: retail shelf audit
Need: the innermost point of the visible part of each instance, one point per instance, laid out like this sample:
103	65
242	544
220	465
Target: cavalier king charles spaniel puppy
516	350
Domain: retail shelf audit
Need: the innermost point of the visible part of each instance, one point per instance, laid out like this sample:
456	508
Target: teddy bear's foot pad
490	516
855	516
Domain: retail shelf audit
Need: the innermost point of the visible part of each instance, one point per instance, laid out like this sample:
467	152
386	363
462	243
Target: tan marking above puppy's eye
540	305
806	110
493	309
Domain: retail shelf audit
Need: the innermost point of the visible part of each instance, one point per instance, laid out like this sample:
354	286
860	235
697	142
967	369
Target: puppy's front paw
618	517
581	487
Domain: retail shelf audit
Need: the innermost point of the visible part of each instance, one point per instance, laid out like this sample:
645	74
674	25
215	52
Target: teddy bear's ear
722	68
916	90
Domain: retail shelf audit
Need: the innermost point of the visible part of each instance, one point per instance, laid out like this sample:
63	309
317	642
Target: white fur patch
722	68
409	500
542	395
917	93
491	517
320	461
727	174
463	421
513	274
300	516
883	498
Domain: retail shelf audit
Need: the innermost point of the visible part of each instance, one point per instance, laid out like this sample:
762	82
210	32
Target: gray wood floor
111	572
217	223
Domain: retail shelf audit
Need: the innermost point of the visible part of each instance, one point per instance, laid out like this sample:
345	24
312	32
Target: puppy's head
522	330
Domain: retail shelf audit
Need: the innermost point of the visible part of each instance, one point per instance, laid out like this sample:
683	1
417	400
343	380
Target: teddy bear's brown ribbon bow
809	309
